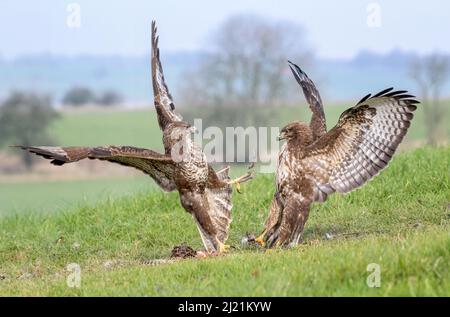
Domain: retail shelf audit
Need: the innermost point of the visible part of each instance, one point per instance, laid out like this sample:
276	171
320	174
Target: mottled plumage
204	193
314	163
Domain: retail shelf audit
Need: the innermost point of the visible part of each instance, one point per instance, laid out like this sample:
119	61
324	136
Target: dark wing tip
30	149
154	35
298	70
412	107
294	73
40	152
383	92
298	76
364	98
57	162
391	93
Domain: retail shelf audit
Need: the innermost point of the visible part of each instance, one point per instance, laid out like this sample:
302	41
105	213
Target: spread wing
165	108
362	143
160	167
318	123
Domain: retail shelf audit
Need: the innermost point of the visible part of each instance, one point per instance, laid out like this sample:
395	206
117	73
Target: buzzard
204	193
314	163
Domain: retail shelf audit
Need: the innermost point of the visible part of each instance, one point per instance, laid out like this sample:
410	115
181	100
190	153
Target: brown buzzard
314	163
204	193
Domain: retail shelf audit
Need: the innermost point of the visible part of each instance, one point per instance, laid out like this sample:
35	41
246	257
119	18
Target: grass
51	196
136	127
400	220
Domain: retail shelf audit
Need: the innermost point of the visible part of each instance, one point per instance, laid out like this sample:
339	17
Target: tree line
81	96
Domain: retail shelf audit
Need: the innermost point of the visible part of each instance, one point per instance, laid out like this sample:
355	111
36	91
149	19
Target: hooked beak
281	136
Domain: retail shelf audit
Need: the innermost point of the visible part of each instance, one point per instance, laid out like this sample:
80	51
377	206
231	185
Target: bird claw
238	187
224	248
246	177
260	241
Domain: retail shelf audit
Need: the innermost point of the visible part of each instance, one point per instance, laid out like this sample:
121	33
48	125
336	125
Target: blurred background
78	73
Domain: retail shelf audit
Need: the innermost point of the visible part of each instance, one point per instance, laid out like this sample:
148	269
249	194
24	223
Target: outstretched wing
362	143
318	123
165	108
160	167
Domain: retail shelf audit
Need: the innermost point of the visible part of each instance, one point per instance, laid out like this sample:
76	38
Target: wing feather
318	122
363	141
164	105
159	166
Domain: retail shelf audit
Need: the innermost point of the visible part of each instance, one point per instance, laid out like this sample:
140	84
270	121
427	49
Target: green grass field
137	127
52	196
400	220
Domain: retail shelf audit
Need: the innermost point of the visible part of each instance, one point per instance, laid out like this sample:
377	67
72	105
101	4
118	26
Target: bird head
296	131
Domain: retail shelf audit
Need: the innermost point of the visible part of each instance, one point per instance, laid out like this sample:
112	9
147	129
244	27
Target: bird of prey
204	193
314	163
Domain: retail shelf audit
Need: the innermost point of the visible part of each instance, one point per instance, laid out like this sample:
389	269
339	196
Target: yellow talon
238	180
261	241
238	185
223	248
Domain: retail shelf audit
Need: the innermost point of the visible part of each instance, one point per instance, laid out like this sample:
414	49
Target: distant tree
110	98
244	75
247	63
24	119
431	73
78	96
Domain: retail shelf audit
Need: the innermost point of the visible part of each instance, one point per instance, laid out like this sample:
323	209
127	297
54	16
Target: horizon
339	80
362	52
55	74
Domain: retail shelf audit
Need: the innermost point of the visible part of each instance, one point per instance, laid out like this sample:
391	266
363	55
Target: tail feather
221	205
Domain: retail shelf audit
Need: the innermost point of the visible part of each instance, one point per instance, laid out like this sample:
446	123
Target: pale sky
335	29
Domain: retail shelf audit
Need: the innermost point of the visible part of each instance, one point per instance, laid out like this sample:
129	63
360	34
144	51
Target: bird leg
242	179
260	239
289	231
225	169
222	248
275	212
